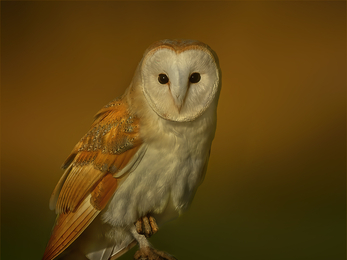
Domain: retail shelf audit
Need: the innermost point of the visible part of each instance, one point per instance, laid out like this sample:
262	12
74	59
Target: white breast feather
171	169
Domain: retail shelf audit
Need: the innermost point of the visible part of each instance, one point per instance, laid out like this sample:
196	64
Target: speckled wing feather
88	181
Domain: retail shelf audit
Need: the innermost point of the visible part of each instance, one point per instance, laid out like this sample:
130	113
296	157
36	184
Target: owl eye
163	79
194	78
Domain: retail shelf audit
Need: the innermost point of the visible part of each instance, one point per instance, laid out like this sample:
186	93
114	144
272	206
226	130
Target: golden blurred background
275	186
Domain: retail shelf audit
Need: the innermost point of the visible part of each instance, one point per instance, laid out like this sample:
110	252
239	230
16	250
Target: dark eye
195	77
163	79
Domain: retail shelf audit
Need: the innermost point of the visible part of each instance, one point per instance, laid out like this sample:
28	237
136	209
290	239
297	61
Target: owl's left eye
163	79
194	78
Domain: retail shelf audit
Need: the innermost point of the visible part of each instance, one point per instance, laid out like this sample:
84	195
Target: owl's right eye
163	79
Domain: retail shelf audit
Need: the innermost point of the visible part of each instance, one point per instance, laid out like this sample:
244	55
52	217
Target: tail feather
102	254
121	249
95	244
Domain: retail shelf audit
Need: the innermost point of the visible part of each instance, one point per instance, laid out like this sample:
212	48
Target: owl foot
148	253
146	226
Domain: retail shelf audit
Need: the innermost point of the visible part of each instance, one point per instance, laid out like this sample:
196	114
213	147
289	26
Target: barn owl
143	158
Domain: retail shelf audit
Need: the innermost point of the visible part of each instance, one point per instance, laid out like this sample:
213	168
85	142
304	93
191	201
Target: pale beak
179	93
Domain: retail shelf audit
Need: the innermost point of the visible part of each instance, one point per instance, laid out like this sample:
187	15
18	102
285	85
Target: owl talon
153	224
138	225
148	253
146	226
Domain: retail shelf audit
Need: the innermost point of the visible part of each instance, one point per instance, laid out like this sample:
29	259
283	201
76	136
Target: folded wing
89	180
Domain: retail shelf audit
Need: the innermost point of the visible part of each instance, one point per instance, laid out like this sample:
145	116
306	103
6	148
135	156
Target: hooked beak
179	93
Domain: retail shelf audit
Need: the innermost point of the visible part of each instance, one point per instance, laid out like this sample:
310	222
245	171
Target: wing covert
106	148
89	180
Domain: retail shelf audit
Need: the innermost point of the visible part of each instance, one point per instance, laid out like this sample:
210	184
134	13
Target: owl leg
146	226
146	252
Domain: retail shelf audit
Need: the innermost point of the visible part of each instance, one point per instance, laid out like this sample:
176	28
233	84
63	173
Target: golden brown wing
68	227
88	183
108	146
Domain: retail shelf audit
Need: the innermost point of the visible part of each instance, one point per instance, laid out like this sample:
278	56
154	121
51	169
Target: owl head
179	78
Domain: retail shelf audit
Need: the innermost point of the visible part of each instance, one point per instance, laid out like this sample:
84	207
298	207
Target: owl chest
177	161
168	174
180	148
